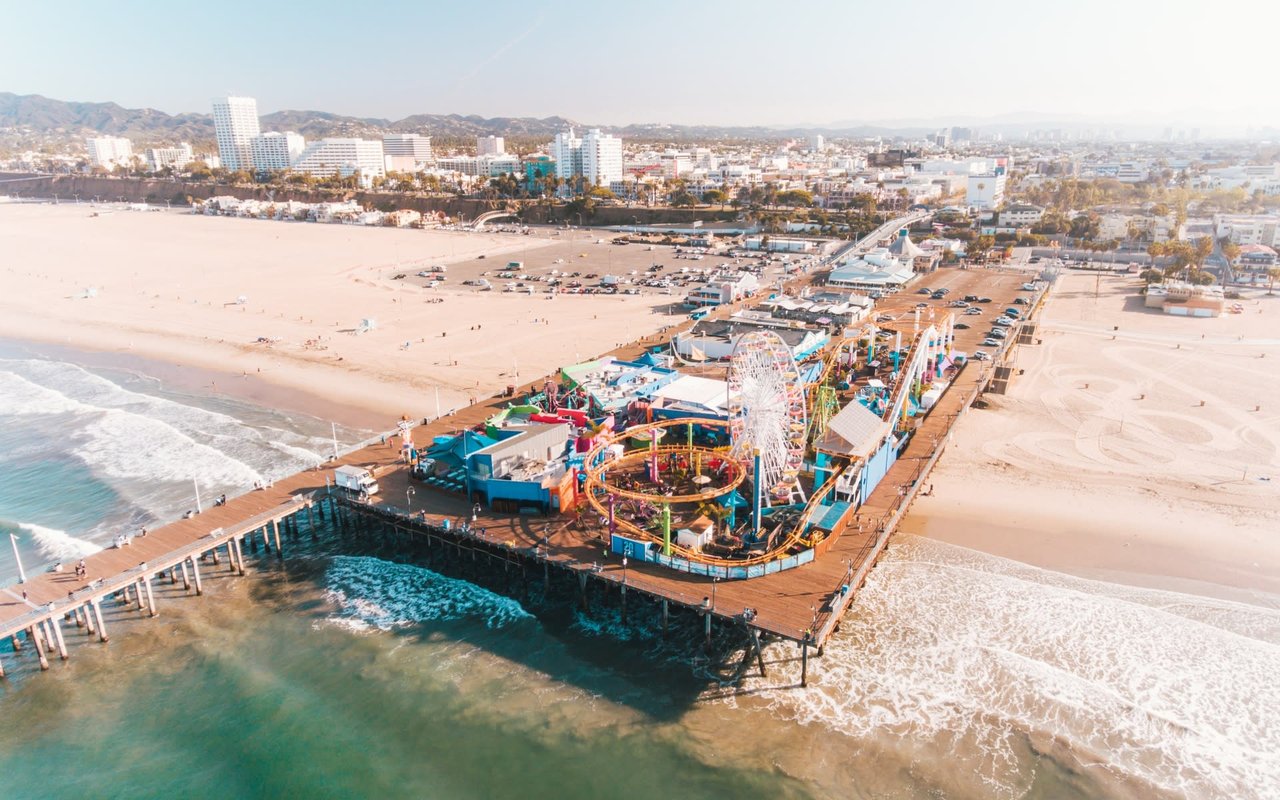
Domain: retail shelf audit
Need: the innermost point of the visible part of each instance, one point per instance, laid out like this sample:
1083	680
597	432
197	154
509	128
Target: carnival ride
671	488
767	416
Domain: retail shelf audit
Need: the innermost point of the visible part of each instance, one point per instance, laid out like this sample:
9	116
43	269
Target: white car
980	355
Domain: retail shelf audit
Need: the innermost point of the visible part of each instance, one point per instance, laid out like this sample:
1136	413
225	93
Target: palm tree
1273	275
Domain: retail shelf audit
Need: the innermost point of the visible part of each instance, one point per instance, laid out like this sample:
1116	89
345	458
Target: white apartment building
490	146
410	145
984	192
344	157
596	156
175	157
566	152
1244	229
482	166
817	143
109	151
274	151
235	123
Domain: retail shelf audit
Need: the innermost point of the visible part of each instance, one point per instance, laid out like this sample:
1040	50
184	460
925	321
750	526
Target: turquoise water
370	667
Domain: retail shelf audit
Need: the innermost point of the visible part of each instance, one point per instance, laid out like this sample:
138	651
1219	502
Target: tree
716	197
1273	275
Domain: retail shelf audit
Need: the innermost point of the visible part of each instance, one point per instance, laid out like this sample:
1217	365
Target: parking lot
587	262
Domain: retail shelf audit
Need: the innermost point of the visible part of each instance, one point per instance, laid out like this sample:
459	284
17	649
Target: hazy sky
737	62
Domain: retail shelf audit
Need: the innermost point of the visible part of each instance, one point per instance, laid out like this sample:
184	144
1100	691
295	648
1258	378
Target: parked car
972	311
971	298
1028	287
923	290
922	305
1021	301
1003	321
998	333
960	326
990	342
984	299
980	355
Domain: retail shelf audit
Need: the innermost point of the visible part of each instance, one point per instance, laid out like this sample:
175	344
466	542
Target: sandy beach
167	286
1130	449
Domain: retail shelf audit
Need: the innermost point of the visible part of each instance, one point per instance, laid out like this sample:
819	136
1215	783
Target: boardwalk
803	604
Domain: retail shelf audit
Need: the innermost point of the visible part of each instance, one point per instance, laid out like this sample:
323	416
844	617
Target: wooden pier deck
803	605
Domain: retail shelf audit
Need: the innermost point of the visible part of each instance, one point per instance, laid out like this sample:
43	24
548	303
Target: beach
1087	609
286	303
1137	447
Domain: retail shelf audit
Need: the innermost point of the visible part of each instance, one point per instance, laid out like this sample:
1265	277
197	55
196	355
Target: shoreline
190	378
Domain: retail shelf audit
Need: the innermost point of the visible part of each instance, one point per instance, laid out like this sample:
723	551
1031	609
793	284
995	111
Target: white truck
356	480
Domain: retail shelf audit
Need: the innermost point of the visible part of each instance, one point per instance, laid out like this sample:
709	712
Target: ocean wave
58	545
951	645
386	595
21	397
124	445
127	434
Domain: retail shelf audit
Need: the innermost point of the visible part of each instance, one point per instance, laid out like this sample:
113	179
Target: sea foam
58	545
387	595
944	643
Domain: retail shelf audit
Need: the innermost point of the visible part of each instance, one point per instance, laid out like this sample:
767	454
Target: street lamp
624	570
22	575
714	581
409	492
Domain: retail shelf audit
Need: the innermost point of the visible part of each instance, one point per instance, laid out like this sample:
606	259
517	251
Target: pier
803	605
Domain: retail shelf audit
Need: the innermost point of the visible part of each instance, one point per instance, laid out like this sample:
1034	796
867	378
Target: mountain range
35	114
43	115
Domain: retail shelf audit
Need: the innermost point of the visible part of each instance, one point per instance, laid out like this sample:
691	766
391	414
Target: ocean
364	667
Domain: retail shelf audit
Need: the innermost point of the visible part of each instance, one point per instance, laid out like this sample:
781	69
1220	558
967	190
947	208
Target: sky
739	62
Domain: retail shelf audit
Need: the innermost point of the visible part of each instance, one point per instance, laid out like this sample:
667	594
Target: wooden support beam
195	573
186	577
34	633
275	529
57	637
804	663
97	617
151	598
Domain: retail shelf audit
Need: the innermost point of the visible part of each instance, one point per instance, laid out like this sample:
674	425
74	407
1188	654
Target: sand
166	286
1102	461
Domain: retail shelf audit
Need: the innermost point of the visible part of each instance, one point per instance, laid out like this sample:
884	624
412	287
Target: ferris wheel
767	413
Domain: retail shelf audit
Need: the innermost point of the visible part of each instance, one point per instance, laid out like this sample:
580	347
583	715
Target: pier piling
34	633
195	573
57	635
151	598
97	618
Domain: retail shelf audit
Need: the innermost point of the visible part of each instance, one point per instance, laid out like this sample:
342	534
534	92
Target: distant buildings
159	158
235	123
1246	229
343	157
985	192
482	166
273	151
109	152
490	146
596	156
406	151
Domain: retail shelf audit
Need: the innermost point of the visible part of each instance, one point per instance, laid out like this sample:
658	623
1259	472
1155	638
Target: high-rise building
176	157
601	157
109	151
490	146
817	143
409	145
596	156
235	123
276	151
344	157
566	152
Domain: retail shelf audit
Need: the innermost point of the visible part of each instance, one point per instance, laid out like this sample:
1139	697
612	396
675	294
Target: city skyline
869	65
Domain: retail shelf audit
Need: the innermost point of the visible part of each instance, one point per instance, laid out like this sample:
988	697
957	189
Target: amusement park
736	468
